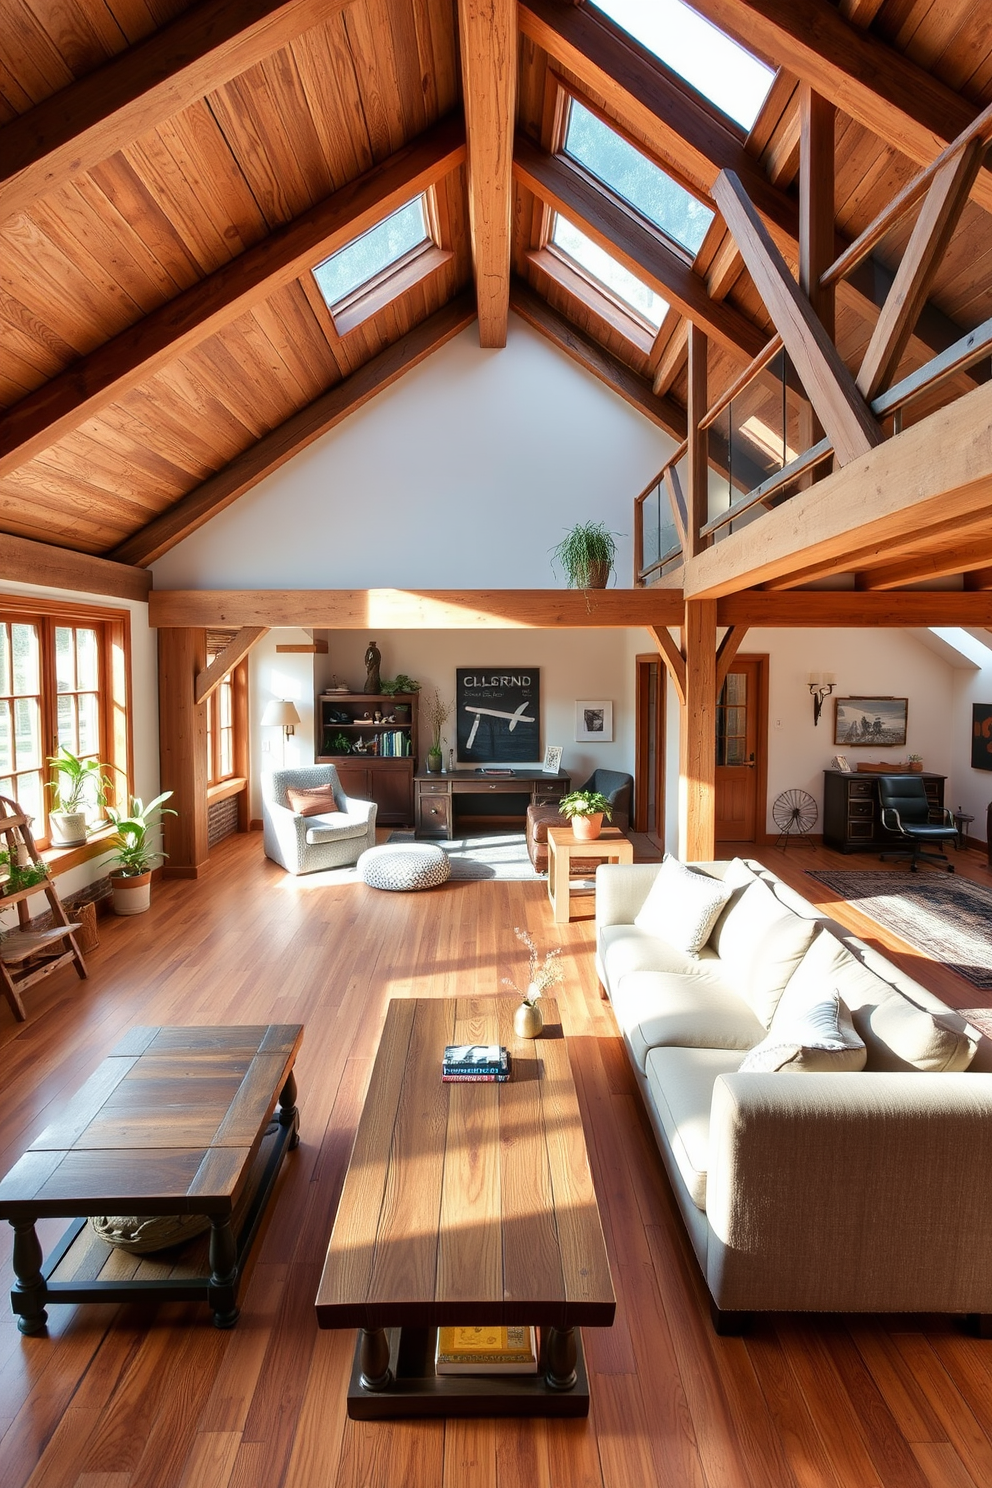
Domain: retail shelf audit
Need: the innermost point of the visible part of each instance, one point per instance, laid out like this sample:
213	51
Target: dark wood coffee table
466	1204
174	1121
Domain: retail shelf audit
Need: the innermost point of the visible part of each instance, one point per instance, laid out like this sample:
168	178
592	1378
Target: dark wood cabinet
852	815
375	758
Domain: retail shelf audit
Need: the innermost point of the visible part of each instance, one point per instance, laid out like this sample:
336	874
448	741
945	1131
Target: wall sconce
280	713
821	685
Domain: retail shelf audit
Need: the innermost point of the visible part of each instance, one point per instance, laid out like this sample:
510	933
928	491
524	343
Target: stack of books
475	1062
486	1351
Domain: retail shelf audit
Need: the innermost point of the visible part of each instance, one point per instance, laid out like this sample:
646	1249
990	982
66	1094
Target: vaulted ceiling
170	174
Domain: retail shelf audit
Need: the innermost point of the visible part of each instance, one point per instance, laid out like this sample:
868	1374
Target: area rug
949	919
488	855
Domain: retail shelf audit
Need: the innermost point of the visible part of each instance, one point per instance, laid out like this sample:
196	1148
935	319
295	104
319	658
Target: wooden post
816	237
182	656
697	735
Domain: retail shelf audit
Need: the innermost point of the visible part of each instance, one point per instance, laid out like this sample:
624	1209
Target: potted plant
400	684
134	856
585	811
436	715
916	762
75	783
586	553
528	1020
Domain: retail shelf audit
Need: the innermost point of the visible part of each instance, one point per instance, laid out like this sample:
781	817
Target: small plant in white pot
76	784
131	879
585	810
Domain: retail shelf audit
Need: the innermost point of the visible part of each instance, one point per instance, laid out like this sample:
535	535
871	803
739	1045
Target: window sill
225	788
61	859
597	299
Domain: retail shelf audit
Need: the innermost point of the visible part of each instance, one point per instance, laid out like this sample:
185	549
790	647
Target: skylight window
617	280
370	258
705	56
607	156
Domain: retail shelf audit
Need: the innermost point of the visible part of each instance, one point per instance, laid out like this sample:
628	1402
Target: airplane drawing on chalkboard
519	716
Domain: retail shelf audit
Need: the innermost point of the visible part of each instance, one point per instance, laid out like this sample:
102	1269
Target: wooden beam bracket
236	650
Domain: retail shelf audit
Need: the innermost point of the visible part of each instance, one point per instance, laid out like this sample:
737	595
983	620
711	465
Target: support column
817	237
697	735
182	655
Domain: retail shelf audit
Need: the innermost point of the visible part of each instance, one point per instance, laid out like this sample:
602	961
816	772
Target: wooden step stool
26	956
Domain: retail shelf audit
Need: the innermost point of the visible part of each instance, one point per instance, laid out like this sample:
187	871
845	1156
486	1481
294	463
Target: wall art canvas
981	736
498	714
593	723
865	721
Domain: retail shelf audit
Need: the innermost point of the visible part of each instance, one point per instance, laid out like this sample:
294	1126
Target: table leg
223	1273
30	1287
559	868
288	1113
559	1359
376	1374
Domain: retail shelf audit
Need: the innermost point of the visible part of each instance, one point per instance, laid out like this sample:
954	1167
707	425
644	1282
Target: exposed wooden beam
932	232
236	650
624	381
672	657
938	470
488	43
407	609
860	13
133	356
726	651
965	554
27	562
132	93
641	250
324	413
869	80
697	736
816	233
933	534
823	608
977	579
672	359
845	416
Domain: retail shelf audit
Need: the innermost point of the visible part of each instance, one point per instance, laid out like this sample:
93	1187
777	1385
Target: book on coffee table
486	1351
475	1062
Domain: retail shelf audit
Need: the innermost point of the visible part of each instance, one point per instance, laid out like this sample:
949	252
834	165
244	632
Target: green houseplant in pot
134	855
586	554
436	715
584	810
401	684
76	783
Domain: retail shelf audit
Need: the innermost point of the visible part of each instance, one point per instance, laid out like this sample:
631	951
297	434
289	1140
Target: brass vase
528	1021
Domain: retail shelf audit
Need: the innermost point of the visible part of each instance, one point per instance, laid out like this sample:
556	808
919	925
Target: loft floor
155	1397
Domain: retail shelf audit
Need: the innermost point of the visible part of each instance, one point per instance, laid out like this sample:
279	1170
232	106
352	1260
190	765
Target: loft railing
762	441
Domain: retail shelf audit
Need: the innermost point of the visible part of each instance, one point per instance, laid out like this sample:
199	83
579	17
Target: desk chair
906	811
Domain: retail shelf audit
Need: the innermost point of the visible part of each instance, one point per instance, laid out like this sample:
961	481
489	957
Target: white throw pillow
922	1038
808	1036
682	906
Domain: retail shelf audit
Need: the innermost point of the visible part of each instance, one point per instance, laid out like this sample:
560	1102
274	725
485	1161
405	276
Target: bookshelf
375	757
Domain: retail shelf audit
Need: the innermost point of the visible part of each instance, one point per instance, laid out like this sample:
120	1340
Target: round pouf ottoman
405	865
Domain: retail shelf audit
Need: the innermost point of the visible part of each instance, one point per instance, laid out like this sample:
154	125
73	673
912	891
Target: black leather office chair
906	810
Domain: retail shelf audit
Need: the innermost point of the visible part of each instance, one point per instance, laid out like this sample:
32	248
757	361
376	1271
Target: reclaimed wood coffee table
174	1121
466	1204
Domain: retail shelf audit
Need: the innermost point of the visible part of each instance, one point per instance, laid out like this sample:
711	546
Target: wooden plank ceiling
170	173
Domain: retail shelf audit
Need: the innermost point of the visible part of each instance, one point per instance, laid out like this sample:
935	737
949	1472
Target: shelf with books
375	757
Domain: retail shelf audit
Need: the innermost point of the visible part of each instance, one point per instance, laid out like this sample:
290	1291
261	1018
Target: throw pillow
807	1037
682	906
761	942
923	1039
317	800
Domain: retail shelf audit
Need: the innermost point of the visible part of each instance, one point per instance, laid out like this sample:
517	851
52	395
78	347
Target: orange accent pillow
318	801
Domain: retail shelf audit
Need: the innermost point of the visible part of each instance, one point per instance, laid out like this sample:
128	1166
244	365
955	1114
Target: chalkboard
498	714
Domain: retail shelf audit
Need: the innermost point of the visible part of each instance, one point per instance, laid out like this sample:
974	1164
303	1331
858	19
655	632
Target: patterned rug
949	919
488	855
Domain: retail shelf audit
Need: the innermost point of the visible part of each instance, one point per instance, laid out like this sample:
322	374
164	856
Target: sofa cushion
318	800
688	1009
335	826
681	1085
761	943
923	1039
808	1036
682	906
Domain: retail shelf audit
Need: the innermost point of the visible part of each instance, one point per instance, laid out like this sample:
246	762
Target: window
724	72
610	276
375	268
652	193
62	682
220	731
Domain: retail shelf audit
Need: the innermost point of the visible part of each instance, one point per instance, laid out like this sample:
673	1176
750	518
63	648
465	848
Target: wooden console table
437	794
466	1204
174	1121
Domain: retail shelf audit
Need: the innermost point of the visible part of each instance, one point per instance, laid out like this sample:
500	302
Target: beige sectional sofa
810	1187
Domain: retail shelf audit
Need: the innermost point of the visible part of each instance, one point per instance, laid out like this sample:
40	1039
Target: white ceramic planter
68	828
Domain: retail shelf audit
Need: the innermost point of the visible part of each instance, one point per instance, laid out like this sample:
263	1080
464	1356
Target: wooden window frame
113	628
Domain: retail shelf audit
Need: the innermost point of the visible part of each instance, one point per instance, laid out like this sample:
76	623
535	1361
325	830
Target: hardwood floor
142	1396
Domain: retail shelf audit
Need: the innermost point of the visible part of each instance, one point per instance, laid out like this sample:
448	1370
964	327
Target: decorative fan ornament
794	813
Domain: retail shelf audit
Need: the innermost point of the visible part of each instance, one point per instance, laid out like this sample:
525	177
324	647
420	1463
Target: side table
611	845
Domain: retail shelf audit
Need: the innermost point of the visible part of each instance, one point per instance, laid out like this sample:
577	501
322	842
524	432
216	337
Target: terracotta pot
916	765
132	892
587	828
528	1020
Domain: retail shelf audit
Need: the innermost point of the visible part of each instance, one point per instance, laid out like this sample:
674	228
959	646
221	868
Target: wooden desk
170	1123
563	845
438	794
466	1204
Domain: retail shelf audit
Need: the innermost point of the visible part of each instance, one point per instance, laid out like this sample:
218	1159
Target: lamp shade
280	712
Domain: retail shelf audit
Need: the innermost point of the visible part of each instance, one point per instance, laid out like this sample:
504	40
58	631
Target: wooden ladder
26	956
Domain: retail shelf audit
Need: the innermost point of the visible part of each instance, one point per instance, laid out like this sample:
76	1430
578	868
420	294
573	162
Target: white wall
289	675
463	475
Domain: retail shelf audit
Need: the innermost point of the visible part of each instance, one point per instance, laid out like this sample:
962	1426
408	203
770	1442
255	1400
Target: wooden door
741	749
649	766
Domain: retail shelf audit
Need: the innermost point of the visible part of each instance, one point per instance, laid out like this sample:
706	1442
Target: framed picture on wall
981	736
870	721
552	759
593	722
498	714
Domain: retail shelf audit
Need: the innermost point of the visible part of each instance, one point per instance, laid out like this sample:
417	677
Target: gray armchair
308	844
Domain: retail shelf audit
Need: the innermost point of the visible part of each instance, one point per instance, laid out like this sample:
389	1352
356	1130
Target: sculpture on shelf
373	661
